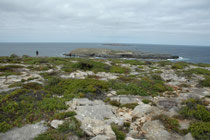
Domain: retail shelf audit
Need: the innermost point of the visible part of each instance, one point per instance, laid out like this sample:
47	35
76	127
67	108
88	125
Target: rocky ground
103	99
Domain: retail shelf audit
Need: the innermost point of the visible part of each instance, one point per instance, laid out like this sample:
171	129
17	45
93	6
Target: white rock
141	110
56	123
27	132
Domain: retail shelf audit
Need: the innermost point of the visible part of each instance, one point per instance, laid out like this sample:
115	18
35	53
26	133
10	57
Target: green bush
10	70
143	87
146	101
205	82
190	72
63	115
117	69
120	135
179	65
194	109
115	103
24	106
130	105
164	63
156	77
4	126
32	85
89	88
200	130
170	124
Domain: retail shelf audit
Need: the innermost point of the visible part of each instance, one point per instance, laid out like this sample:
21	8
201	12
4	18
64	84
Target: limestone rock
26	132
154	130
141	110
93	127
93	116
56	123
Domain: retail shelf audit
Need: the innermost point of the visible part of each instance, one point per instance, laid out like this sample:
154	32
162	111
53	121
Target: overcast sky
131	21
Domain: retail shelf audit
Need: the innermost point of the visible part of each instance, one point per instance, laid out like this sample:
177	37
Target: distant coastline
113	44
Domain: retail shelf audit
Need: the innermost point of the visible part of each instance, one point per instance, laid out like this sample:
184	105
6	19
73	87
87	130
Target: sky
176	22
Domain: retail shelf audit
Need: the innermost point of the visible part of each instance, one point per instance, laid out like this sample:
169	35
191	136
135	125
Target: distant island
110	53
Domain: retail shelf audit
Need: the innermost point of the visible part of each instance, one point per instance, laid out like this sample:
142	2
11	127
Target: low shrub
194	109
120	135
190	72
118	69
200	130
143	87
205	82
63	115
170	124
130	105
24	106
179	65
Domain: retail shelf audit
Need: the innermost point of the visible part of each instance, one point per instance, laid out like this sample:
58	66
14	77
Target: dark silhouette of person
37	53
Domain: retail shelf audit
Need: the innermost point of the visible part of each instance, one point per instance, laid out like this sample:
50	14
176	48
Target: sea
194	54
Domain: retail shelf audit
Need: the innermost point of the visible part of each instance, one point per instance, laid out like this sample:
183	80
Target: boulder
93	116
93	109
93	127
154	130
56	123
141	110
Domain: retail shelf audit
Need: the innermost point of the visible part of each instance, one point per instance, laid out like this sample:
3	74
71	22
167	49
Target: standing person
37	53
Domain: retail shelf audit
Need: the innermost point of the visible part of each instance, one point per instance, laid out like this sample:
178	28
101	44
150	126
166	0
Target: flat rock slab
93	109
92	115
142	110
27	132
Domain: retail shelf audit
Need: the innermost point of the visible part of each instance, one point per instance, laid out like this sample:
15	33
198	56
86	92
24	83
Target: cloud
103	20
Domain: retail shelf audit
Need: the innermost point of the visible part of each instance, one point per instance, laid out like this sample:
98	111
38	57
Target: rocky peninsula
109	53
53	98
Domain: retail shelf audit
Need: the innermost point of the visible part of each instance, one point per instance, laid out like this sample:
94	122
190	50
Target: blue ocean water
195	54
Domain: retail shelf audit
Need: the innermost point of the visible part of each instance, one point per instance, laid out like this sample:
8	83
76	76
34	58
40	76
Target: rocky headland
52	98
109	53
